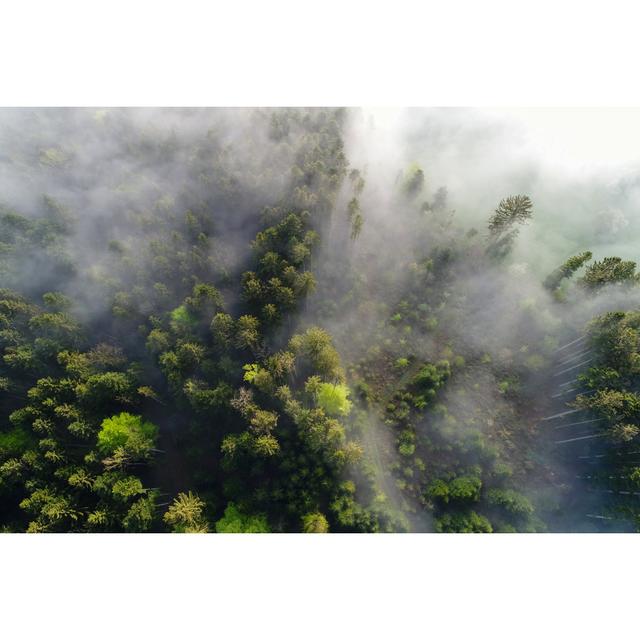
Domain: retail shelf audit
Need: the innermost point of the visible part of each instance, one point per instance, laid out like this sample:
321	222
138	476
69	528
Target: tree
56	300
333	398
222	327
236	521
247	332
189	354
355	217
414	180
157	261
53	511
438	489
315	523
185	514
263	422
315	346
511	501
624	433
566	270
356	226
103	389
611	270
140	515
128	432
204	299
182	320
466	522
158	341
357	181
614	405
428	380
205	399
266	446
126	488
465	488
511	211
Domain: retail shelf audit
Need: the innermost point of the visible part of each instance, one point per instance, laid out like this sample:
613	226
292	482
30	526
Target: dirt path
379	444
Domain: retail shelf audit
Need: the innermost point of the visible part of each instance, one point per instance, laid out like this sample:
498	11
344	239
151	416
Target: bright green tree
236	521
126	431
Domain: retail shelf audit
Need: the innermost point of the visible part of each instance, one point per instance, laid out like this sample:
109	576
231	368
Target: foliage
466	522
193	325
236	521
333	399
511	210
126	431
612	270
315	523
566	270
185	514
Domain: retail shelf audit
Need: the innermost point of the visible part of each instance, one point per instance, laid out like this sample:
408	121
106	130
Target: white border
341	586
334	52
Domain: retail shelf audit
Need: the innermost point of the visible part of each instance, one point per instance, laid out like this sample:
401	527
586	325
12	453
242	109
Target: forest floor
170	471
380	447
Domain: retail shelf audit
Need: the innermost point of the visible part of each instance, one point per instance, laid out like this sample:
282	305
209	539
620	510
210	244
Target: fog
127	177
581	170
117	172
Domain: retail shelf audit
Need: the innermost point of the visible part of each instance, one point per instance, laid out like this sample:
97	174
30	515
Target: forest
291	320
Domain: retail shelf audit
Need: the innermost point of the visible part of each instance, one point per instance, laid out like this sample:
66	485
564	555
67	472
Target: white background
400	53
